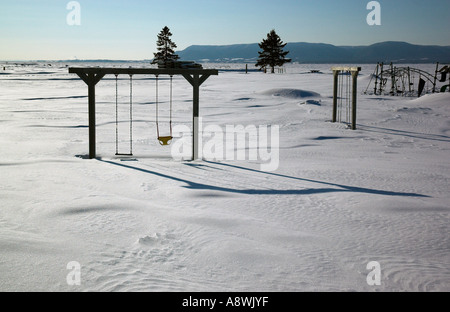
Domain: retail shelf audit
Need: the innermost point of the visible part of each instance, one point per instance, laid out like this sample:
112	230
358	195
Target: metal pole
376	79
392	80
435	77
381	78
409	80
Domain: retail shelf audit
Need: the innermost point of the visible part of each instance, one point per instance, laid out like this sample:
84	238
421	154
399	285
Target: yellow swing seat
165	140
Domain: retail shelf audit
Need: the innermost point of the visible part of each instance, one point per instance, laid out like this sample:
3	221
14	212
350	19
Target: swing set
92	75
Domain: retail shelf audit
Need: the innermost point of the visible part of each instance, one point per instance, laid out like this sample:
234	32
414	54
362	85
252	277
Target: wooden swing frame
92	75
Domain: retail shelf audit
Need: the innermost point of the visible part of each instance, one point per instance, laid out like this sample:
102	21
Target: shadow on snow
330	187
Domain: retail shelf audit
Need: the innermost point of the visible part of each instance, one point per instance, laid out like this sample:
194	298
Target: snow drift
291	93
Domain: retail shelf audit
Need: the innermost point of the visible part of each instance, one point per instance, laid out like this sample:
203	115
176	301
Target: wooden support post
354	98
196	115
335	94
91	79
196	81
92	123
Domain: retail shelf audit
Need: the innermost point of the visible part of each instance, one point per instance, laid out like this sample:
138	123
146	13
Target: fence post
354	98
335	94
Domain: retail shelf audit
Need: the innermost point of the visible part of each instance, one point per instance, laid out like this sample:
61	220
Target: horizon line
215	45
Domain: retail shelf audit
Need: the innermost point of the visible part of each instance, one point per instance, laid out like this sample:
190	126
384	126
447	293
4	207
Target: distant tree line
272	53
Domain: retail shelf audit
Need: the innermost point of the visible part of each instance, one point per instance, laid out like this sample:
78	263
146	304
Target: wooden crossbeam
141	71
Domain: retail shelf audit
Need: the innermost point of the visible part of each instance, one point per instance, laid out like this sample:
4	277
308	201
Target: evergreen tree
272	53
165	47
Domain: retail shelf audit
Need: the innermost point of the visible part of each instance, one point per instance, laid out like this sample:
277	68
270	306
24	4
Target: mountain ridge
304	52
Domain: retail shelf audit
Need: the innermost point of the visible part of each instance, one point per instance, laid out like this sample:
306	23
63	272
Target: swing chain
171	100
157	104
164	140
131	116
117	115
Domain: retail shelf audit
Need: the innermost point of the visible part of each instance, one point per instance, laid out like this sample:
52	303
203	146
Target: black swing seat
165	140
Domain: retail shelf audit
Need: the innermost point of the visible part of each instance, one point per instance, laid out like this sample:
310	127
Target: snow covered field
338	200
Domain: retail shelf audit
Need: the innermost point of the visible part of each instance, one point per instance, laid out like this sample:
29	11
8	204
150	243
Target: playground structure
403	80
345	86
92	75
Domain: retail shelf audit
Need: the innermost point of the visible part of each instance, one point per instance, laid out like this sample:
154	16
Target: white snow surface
338	200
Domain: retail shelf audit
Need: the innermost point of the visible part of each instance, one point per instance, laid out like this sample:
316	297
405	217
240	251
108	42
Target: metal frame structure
92	75
403	79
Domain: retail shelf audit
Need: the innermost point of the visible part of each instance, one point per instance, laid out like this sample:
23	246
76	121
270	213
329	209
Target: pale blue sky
127	29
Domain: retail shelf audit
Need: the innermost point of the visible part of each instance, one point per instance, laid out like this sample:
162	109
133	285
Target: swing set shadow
330	187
